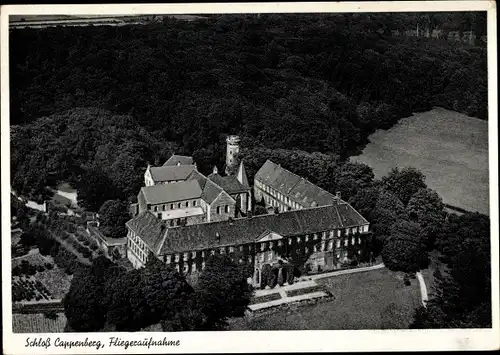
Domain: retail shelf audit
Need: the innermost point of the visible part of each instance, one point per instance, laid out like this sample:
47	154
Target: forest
309	82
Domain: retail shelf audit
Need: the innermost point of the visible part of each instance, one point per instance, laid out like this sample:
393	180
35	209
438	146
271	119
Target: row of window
137	250
192	266
135	238
278	195
174	206
192	255
227	208
175	258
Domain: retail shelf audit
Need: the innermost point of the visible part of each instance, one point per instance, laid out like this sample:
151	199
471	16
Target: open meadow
450	148
38	323
375	299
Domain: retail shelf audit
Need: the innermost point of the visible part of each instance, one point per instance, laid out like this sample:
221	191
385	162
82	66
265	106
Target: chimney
338	194
215	171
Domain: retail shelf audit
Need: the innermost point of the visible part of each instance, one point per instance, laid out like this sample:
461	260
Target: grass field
370	300
450	148
37	323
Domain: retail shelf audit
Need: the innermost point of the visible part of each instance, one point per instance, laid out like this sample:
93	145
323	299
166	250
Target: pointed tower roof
242	175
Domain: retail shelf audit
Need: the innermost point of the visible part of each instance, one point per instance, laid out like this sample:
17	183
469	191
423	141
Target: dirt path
423	289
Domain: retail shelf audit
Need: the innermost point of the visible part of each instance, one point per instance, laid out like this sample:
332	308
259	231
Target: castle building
183	217
286	191
180	195
322	236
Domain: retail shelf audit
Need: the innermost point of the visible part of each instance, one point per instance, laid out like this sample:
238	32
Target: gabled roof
173	192
149	228
295	187
210	191
178	160
248	230
230	184
275	176
171	173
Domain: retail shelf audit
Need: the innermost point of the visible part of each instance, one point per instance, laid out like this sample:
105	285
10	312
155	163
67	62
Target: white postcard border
261	341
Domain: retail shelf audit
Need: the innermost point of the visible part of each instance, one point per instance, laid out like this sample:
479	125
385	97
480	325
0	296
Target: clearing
375	299
450	148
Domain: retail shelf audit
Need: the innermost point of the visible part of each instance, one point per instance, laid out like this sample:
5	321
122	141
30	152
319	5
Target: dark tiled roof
210	191
172	192
230	184
178	159
150	229
310	195
196	175
247	230
295	187
171	173
275	176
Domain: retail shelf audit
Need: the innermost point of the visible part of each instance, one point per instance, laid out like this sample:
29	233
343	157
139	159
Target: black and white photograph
223	170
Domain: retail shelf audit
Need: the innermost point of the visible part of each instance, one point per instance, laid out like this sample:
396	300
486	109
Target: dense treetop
310	82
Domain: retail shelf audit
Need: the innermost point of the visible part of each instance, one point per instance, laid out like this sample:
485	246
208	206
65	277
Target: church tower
233	148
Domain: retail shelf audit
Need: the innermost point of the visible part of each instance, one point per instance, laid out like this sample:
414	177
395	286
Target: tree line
117	299
310	82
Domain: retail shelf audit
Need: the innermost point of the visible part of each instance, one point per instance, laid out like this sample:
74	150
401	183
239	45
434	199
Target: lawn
450	148
375	299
